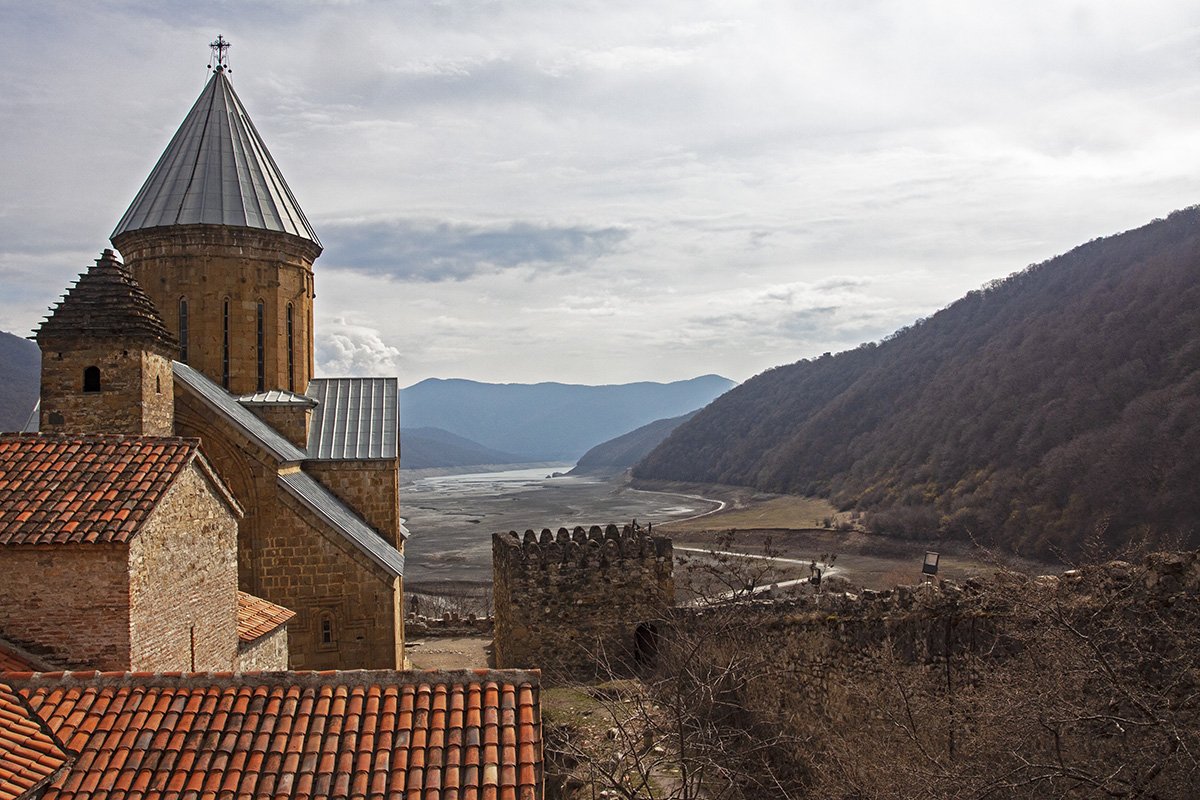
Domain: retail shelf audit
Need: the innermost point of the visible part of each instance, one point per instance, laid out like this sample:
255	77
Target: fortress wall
568	599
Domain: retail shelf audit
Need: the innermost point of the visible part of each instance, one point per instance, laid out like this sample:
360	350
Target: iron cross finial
219	59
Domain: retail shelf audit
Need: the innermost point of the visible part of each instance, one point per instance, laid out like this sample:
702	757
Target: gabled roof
62	489
303	487
356	419
217	171
228	407
322	502
257	617
374	735
29	756
107	303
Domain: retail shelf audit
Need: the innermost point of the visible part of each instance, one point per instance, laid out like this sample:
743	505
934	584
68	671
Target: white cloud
618	191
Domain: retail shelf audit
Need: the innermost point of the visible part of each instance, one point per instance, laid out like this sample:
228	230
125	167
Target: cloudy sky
604	192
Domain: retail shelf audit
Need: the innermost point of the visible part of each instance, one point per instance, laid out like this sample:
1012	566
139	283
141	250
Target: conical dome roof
217	171
107	303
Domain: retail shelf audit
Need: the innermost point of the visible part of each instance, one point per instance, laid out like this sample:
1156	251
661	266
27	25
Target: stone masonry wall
563	600
183	582
267	653
323	579
136	394
71	599
289	557
207	264
370	489
289	420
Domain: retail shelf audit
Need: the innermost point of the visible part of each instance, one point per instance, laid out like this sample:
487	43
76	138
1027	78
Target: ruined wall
72	599
564	600
183	582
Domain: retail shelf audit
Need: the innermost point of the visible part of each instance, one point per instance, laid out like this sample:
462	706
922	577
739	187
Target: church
221	350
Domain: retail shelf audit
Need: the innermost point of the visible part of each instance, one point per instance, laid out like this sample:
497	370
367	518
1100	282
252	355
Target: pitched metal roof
217	171
239	416
325	505
374	735
303	487
357	419
276	397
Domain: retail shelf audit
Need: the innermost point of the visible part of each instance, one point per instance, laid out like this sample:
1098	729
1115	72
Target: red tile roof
29	756
17	659
305	735
257	617
75	489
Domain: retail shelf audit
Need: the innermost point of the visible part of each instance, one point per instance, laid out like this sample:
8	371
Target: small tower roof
217	171
106	303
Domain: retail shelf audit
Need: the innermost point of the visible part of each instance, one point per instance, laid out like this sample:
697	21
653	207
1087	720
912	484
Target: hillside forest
1055	408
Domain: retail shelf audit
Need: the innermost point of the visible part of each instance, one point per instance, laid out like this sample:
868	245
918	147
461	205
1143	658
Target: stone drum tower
219	243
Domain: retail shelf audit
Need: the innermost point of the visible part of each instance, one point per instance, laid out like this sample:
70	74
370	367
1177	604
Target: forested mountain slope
1060	401
619	454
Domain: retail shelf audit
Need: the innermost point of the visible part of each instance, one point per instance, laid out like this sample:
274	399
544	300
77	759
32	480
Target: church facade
224	254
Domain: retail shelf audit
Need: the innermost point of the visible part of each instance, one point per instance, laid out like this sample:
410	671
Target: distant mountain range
619	454
1053	407
455	423
549	421
20	377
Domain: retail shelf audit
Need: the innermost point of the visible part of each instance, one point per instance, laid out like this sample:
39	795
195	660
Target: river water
451	518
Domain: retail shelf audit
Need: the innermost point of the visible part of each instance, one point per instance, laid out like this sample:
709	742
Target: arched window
183	330
225	344
327	632
258	346
291	349
91	379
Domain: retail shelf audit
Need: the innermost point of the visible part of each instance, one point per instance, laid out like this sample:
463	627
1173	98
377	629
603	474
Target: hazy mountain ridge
623	452
20	379
1058	402
549	421
427	448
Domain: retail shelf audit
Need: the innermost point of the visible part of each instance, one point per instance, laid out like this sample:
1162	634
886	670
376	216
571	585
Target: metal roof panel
217	171
356	419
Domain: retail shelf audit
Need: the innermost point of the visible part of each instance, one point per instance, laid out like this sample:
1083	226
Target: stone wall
136	394
565	600
370	489
72	600
267	653
290	557
183	582
208	264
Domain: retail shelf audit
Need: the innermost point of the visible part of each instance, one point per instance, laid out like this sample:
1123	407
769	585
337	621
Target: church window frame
260	367
291	348
225	343
91	379
326	631
183	330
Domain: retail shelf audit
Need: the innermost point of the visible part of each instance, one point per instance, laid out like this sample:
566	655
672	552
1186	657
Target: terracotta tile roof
257	617
73	489
29	756
305	735
17	659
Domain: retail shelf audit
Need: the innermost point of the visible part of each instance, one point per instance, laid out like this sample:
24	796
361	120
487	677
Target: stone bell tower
219	243
106	358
